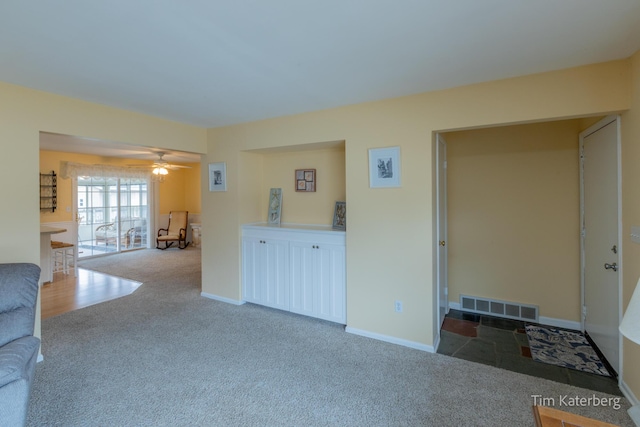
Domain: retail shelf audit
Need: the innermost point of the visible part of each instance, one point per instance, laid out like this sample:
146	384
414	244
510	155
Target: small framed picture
384	167
275	206
218	176
305	180
340	216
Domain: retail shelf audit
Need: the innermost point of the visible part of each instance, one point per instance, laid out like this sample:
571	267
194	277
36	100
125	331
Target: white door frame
441	234
153	195
607	120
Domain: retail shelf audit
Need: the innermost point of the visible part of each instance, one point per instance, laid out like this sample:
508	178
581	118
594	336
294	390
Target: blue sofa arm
17	367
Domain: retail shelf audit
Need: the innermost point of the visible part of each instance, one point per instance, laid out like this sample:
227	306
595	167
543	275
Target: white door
441	155
113	214
600	236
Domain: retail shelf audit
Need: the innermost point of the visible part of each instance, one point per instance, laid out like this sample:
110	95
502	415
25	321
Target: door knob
442	243
612	266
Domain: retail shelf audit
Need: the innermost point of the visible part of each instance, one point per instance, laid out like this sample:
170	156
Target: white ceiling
213	63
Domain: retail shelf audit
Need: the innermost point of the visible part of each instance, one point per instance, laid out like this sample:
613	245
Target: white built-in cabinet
296	268
266	267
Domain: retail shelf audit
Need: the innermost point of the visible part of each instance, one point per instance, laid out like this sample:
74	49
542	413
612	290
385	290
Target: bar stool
63	257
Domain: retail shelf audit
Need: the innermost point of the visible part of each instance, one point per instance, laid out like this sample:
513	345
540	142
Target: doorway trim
152	213
441	274
590	130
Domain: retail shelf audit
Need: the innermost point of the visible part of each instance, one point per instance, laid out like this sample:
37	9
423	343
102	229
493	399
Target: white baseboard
221	299
560	323
436	342
40	358
634	413
631	397
392	340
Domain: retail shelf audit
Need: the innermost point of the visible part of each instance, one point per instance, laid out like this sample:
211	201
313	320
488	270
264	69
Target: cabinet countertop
45	229
312	228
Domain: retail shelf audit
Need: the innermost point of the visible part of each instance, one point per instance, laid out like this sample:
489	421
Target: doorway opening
113	214
513	222
600	236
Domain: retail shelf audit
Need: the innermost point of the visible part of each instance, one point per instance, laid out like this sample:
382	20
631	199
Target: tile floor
503	343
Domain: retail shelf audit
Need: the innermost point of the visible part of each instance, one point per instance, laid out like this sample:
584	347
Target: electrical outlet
398	306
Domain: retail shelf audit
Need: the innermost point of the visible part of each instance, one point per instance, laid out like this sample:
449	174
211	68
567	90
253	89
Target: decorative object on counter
306	180
384	167
340	216
48	191
218	176
275	206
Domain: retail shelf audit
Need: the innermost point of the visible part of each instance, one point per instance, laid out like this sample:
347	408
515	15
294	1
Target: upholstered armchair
18	346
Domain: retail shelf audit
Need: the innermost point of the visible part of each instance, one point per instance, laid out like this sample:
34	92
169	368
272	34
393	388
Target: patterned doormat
564	348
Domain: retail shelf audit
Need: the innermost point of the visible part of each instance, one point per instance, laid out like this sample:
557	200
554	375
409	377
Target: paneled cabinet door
265	268
251	280
302	277
318	280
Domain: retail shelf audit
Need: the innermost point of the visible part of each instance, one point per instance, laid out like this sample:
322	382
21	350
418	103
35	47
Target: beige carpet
165	356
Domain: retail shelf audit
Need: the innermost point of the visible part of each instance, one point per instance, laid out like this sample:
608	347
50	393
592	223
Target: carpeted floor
165	356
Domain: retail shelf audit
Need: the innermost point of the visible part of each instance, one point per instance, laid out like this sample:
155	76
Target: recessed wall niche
277	167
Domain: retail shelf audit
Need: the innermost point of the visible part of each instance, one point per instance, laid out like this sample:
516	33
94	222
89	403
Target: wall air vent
509	310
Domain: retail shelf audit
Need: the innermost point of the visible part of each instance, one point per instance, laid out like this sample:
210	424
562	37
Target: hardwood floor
67	293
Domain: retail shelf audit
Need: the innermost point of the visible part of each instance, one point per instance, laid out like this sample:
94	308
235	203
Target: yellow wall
302	207
513	215
179	191
390	239
24	113
631	216
390	242
192	189
50	160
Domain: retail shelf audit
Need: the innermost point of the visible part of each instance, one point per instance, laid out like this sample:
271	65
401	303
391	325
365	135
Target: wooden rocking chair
177	230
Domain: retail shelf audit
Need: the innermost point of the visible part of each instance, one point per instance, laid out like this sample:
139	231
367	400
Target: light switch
635	234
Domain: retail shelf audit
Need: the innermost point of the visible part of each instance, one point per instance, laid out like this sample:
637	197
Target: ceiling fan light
160	171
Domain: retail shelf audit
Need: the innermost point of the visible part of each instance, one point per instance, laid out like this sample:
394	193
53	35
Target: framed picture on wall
384	167
305	180
340	216
275	206
218	176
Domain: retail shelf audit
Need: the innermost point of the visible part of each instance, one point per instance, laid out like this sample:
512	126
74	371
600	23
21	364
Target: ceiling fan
162	167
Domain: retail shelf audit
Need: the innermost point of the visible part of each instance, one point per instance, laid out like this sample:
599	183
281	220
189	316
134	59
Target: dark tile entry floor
503	343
